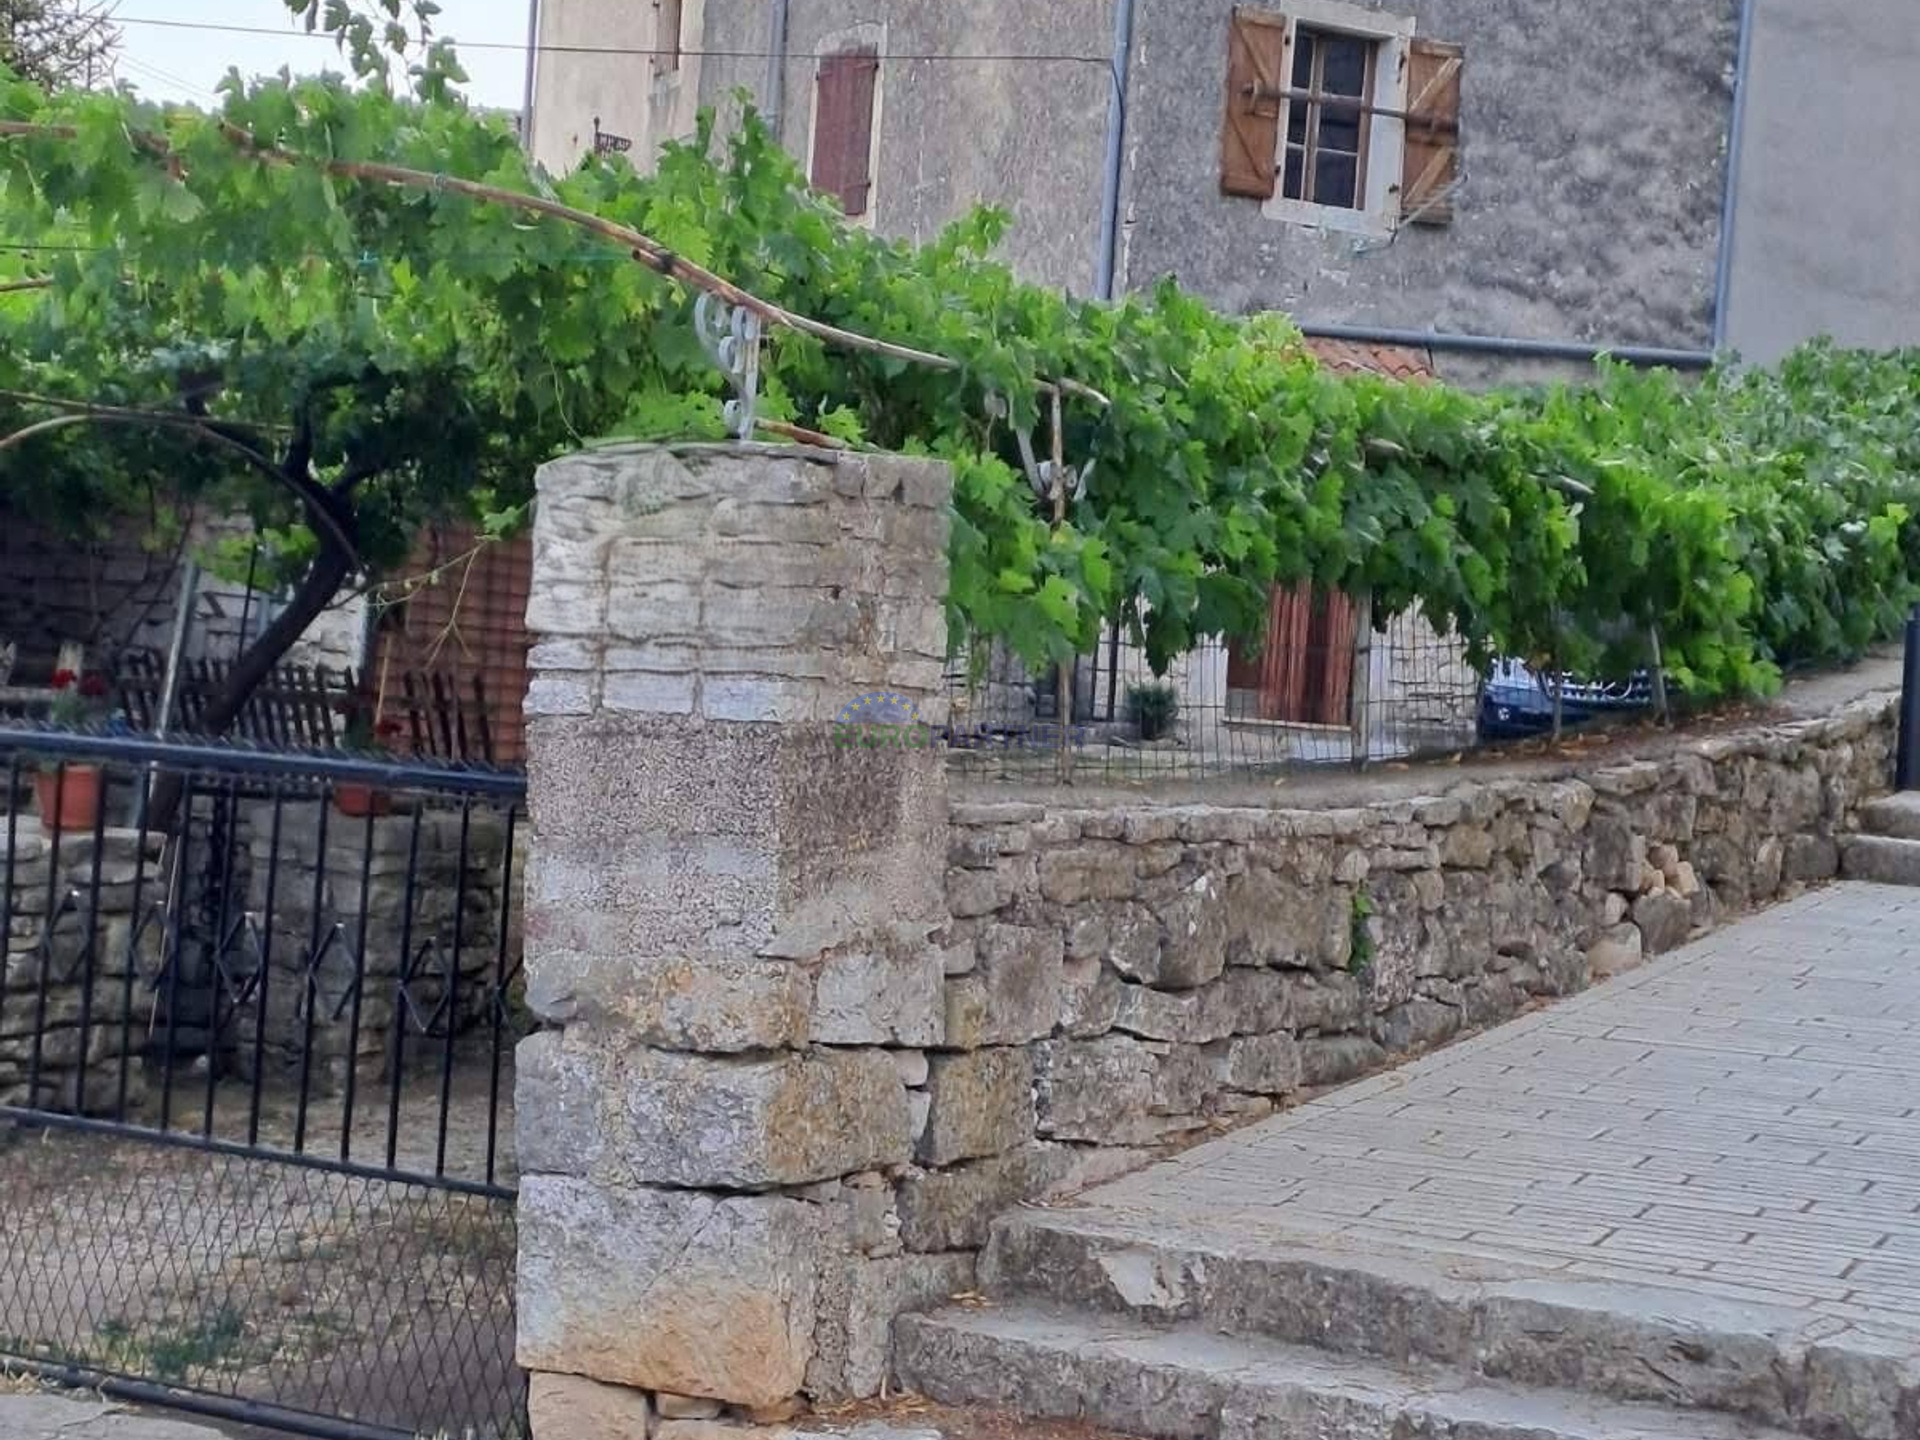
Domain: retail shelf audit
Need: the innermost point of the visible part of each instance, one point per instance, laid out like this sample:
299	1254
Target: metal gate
257	1014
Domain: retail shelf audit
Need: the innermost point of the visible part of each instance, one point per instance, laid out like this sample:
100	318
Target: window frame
1382	130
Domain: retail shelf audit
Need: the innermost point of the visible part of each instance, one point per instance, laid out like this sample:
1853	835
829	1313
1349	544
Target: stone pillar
730	904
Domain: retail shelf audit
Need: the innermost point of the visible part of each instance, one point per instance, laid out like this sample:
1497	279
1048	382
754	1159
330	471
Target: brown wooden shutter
843	128
1432	163
1256	75
666	35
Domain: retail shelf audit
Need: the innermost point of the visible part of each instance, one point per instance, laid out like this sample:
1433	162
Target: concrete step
1897	816
1885	859
1779	1366
1187	1383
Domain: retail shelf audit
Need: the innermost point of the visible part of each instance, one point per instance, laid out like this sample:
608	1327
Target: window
843	133
1340	116
667	17
1332	98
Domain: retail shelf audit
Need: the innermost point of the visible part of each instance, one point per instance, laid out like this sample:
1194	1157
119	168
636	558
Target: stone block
660	1117
1615	854
1619	948
1664	919
859	1301
1126	937
1262	1064
982	1105
1094	872
668	1289
1335	1059
1810	858
1417	1024
881	994
1276	919
572	1407
1014	992
1193	945
1328	1003
1192	1017
1119	1090
716	1004
952	1209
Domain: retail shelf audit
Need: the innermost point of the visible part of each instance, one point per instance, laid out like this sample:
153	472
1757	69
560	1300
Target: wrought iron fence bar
262	1007
452	996
238	758
400	1001
193	1140
503	978
359	986
117	1386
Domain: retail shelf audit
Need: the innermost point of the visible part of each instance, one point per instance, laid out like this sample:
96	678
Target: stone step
1188	1383
1882	858
1897	816
1776	1365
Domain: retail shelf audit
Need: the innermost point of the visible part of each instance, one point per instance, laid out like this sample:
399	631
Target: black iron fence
257	1013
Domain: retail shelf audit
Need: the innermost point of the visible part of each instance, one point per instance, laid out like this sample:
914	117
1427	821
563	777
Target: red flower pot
69	799
360	801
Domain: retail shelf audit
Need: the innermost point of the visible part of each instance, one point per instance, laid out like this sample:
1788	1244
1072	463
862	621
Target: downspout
776	98
1736	137
1107	260
533	60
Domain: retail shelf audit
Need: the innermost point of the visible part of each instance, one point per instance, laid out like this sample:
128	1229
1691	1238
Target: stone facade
729	921
75	966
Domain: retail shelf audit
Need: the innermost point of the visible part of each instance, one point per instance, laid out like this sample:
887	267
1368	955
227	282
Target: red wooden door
1303	675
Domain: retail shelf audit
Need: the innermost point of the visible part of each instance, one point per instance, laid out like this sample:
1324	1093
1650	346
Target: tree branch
643	248
313	498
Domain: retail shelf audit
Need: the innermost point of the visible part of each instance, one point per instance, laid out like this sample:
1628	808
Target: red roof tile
1393	361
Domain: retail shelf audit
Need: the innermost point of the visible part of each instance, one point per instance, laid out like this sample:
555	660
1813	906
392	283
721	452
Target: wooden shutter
1257	46
668	15
1432	164
843	128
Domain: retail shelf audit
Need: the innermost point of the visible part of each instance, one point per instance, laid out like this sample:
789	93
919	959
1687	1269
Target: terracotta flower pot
69	799
360	801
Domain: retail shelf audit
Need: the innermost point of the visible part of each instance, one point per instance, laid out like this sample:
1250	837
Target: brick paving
1739	1120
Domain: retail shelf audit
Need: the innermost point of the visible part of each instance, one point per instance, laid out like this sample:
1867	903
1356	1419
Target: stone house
1470	173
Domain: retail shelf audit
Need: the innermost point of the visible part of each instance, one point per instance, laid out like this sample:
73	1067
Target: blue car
1517	703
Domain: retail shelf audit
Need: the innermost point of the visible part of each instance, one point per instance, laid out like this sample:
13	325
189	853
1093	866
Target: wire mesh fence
257	1013
1324	687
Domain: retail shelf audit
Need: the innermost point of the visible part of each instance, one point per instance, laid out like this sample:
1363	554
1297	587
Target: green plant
347	358
1153	708
1360	955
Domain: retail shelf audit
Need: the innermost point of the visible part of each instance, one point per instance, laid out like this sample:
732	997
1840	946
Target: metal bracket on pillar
731	337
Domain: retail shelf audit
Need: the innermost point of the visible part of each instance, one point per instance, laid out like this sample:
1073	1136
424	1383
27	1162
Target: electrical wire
1105	62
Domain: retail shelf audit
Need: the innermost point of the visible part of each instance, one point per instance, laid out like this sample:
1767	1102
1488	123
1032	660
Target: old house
1505	180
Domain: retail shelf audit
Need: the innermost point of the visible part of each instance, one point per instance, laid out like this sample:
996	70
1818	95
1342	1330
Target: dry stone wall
1129	979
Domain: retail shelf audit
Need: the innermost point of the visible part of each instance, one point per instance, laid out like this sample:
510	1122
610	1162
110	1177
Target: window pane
1303	43
1335	179
1297	113
1296	162
1339	129
1346	72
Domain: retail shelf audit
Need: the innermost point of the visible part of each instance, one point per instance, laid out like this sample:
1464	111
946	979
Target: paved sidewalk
1739	1121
